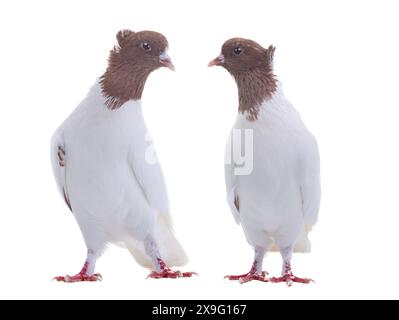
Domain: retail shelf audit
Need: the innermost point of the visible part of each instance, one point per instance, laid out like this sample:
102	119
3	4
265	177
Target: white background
338	61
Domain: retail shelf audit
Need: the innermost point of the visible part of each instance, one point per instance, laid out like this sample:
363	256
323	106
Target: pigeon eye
146	46
237	50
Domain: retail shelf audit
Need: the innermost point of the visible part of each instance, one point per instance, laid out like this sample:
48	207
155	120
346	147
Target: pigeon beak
165	60
217	61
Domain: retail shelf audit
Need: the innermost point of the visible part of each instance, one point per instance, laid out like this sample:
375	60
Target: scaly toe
289	279
79	278
233	278
189	274
251	276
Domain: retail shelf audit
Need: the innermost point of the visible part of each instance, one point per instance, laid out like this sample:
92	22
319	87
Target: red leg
253	274
80	277
166	272
289	278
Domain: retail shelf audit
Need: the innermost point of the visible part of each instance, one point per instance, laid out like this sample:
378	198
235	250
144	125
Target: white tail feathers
302	245
169	248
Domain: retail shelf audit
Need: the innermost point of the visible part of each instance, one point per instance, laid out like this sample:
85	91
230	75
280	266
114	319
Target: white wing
59	163
149	175
233	199
310	184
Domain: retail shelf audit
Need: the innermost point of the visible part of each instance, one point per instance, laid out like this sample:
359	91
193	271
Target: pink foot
250	276
80	277
289	278
169	273
262	276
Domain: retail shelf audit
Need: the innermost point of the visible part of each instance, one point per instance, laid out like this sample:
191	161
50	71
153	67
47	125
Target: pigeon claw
289	279
81	277
250	276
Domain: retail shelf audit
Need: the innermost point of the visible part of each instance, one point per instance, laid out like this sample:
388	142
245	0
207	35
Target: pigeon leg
256	272
161	269
287	276
86	274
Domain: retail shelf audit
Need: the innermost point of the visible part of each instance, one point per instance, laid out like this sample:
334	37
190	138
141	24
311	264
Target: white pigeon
274	190
105	167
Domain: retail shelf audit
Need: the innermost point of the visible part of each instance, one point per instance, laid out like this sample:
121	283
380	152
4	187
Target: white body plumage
279	200
115	188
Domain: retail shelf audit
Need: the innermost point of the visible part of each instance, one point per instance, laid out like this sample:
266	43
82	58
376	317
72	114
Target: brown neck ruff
123	80
254	87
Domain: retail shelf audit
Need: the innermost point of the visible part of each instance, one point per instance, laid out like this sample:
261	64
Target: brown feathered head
131	62
251	65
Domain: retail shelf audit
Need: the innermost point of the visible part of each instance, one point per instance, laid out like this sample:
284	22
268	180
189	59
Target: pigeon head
251	65
144	50
130	63
242	55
